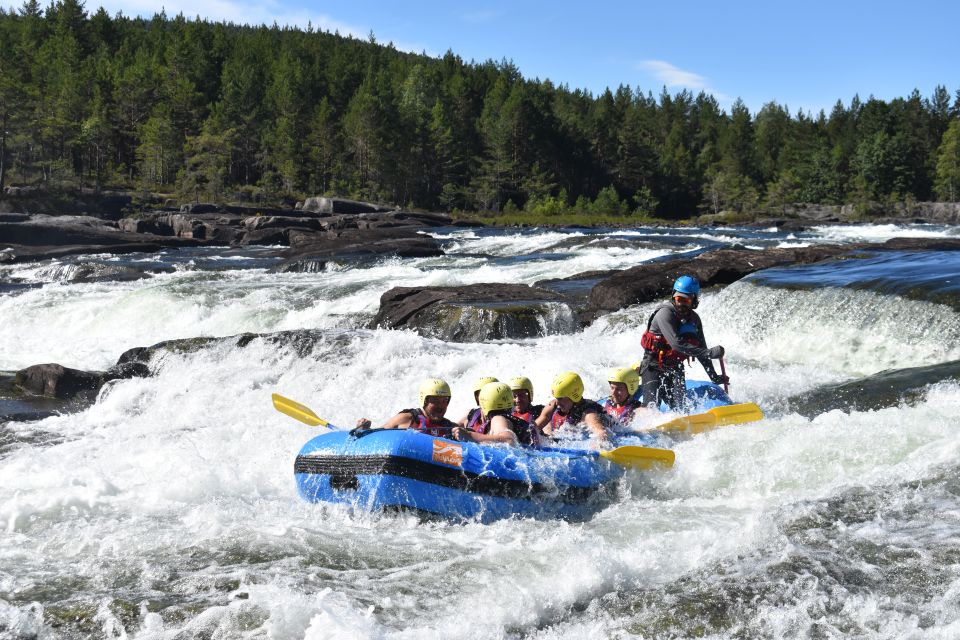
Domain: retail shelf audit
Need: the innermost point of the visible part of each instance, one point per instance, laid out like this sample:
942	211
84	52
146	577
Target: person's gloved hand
715	352
719	378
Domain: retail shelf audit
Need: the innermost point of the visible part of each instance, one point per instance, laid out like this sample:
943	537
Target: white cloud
674	77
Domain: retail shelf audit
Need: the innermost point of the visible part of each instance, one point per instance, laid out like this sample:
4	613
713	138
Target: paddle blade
297	411
716	417
640	457
737	413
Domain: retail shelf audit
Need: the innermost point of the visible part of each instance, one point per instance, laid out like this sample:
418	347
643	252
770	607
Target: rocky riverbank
319	229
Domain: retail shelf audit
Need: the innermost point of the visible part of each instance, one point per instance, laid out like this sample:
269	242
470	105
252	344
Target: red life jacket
656	344
423	424
621	413
527	433
532	414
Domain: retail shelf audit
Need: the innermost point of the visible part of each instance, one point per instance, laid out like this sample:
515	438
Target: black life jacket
527	433
576	415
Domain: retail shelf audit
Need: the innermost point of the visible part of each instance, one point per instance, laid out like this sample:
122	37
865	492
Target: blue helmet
687	285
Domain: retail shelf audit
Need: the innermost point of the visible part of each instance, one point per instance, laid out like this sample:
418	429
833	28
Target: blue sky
805	55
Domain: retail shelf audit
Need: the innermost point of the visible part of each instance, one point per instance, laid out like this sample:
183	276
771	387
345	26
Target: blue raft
702	395
399	469
378	470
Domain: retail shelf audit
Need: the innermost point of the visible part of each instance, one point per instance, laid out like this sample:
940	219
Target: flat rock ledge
654	280
476	313
366	230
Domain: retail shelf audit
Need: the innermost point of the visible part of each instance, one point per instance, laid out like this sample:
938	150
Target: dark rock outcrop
310	249
38	237
64	383
653	280
15	405
16	253
884	389
320	204
475	312
97	272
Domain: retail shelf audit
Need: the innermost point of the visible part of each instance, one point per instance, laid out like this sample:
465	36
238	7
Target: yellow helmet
636	365
495	396
433	387
627	376
521	382
567	385
482	381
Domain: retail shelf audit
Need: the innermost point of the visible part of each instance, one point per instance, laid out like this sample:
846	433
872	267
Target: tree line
210	110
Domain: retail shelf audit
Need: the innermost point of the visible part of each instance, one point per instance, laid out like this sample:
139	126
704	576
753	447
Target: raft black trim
344	469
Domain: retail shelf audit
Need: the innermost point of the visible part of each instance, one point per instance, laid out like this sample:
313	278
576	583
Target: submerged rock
477	312
885	389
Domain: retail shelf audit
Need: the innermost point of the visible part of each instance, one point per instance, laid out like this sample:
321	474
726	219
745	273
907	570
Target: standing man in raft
675	333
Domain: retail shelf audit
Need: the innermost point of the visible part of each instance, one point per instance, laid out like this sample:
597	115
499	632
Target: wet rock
40	230
15	405
302	341
654	280
255	223
154	224
297	230
38	237
199	207
309	248
56	381
267	236
15	253
145	355
885	389
475	312
319	204
213	228
923	244
100	272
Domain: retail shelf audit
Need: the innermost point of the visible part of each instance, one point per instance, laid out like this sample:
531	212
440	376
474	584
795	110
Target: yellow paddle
640	457
716	417
628	456
298	411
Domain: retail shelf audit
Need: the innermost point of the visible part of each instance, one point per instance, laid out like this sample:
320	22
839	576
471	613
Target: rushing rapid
168	509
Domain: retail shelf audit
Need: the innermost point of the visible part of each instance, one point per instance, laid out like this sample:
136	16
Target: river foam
168	509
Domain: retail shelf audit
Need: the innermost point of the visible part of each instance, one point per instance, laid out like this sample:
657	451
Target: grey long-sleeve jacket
666	322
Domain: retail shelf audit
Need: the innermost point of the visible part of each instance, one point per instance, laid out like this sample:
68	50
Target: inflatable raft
399	469
377	470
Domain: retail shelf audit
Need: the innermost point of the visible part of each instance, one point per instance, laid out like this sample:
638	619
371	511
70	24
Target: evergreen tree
948	163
